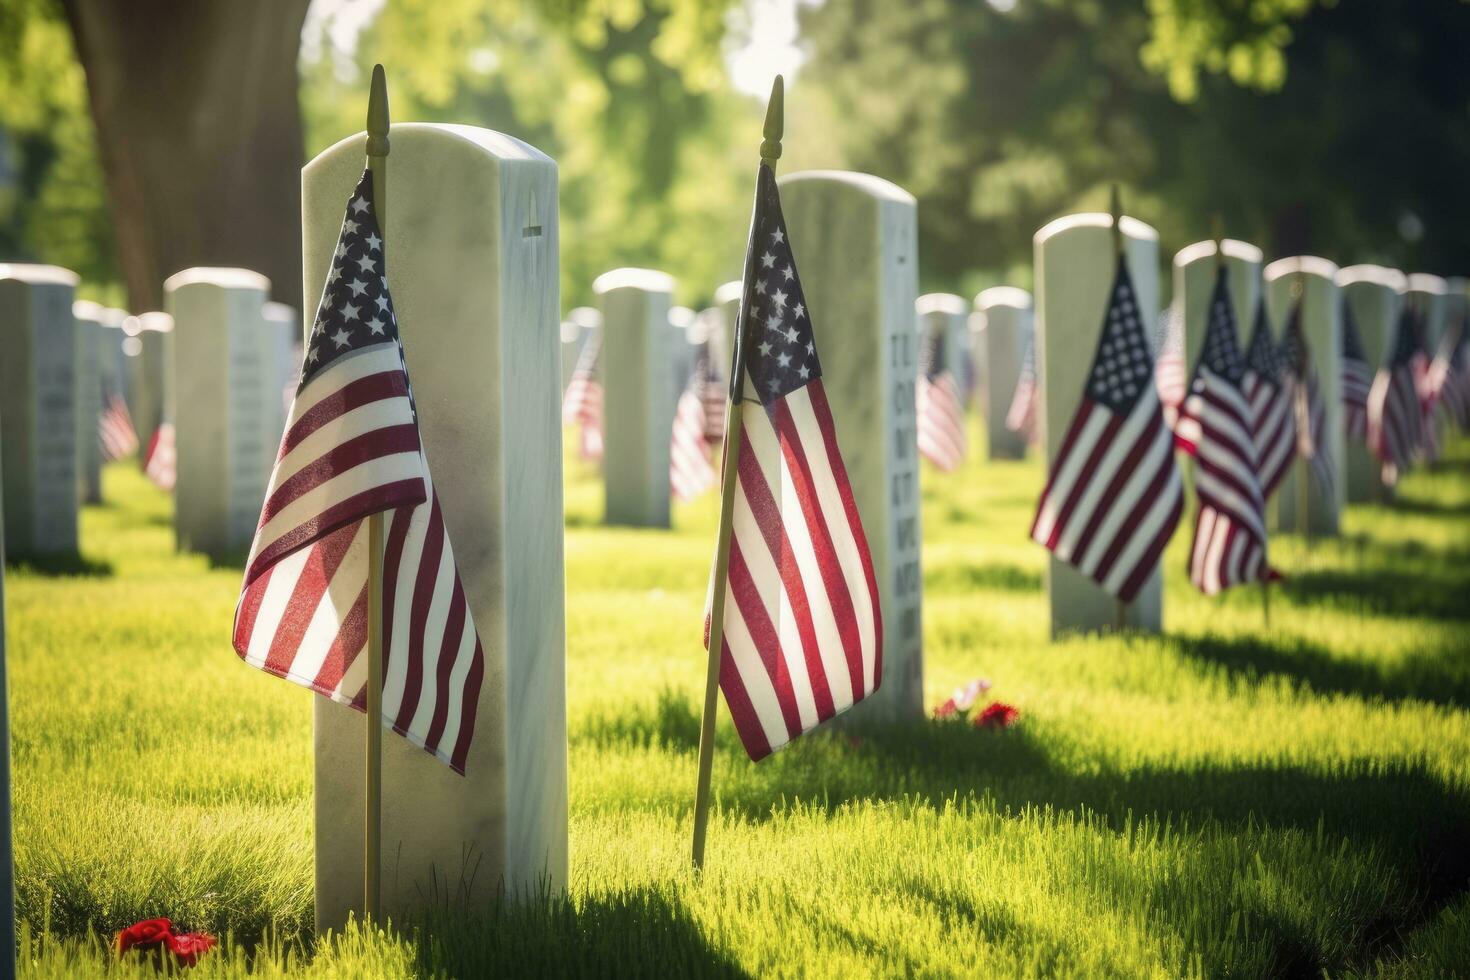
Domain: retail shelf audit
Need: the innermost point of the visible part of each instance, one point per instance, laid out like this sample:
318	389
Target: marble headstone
1005	317
855	243
91	335
579	326
638	394
727	301
150	381
1430	296
215	372
1075	264
948	316
472	259
116	369
1321	322
280	336
681	348
1373	294
1195	268
38	409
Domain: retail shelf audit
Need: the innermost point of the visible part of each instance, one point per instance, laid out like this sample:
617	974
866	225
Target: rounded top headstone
155	320
941	303
681	317
1376	274
1311	265
1013	297
1132	227
648	280
868	184
491	143
1233	249
85	309
278	312
53	275
225	278
586	317
114	317
570	331
1424	282
729	292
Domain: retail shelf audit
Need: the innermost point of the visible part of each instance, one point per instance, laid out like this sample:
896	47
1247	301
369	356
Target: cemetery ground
1224	800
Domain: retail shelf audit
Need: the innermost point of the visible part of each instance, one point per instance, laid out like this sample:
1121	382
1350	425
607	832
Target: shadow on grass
60	566
637	933
672	723
1440	677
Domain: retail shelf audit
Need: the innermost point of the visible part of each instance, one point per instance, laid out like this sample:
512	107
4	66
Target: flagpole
377	163
729	469
1115	208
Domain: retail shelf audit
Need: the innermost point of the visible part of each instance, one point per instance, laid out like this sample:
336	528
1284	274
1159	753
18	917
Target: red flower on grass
997	714
157	934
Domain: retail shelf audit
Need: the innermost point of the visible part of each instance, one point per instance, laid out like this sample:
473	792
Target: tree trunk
199	132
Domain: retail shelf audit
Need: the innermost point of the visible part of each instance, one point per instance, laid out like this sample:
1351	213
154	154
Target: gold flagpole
377	162
770	153
1115	208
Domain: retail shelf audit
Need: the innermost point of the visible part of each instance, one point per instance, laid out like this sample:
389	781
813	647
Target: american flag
582	404
160	459
1357	378
1450	377
1429	447
940	406
1395	415
1215	428
1113	496
1021	417
690	471
1169	370
1267	389
115	430
1311	413
351	450
712	392
803	635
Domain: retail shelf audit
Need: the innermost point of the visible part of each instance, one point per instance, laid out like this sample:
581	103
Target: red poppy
997	714
946	709
154	934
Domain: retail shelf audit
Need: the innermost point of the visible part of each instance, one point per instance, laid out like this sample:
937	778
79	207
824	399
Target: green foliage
1223	800
1245	39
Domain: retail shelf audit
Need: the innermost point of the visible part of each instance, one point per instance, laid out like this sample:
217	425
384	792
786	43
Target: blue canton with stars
356	310
1294	344
778	347
1221	353
1406	341
1122	370
1262	356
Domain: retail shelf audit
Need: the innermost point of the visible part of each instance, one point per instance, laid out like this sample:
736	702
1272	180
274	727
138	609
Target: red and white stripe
1273	427
115	432
1225	553
690	470
1396	417
940	420
352	449
161	460
1021	416
581	406
803	635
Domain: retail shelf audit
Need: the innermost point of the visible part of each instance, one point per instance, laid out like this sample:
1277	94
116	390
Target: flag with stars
803	635
1113	495
939	406
1395	414
1357	378
1215	428
351	449
1268	390
1311	413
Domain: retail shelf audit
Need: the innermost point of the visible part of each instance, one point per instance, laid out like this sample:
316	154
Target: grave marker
1373	294
281	334
150	383
1195	268
91	335
949	315
1006	327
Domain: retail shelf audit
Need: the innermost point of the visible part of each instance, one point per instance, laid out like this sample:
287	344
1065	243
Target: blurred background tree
1332	127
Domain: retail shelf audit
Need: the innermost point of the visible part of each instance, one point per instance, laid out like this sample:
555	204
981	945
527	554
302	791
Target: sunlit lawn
1225	800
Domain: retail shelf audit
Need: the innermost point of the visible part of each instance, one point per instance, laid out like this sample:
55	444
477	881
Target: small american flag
1268	391
160	459
1021	417
690	471
1113	496
1169	371
1311	413
1215	428
351	449
712	393
1357	378
582	404
940	406
1395	415
803	635
115	432
1450	378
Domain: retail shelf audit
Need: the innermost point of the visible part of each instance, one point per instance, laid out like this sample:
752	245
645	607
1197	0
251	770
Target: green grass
1222	800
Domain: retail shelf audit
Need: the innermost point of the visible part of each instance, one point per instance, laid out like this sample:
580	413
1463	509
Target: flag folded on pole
1268	391
1114	495
690	470
1395	416
1311	413
115	430
582	404
352	449
1021	416
1449	378
1357	379
803	635
1215	428
939	406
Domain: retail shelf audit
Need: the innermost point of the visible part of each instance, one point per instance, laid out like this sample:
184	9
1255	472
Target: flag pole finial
1115	208
377	114
775	123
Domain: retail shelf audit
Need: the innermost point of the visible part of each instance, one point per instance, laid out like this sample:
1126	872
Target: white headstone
38	409
638	395
91	335
1315	279
727	301
116	369
948	315
1195	268
681	348
1457	302
1005	332
1430	296
1374	295
215	371
1075	265
150	382
855	242
282	332
579	326
472	261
